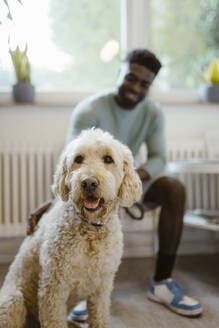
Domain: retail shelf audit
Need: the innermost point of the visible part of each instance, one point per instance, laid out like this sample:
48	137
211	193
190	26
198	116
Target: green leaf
21	64
6	3
9	16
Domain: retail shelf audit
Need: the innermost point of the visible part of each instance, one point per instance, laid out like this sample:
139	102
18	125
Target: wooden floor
199	276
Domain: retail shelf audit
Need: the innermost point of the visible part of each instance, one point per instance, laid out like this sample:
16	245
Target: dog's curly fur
71	256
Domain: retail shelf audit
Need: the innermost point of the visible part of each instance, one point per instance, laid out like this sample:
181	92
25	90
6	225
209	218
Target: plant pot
23	92
209	93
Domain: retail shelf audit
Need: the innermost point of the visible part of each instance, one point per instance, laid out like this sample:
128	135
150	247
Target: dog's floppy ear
59	187
131	188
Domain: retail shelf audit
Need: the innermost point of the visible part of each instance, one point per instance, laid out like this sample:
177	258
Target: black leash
133	216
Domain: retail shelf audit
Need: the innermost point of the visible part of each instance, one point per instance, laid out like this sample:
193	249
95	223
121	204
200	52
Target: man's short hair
145	58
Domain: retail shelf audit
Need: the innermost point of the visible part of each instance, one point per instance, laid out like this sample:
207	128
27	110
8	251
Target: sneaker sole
186	313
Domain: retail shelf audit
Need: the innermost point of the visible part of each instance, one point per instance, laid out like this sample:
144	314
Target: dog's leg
12	310
53	310
99	305
52	300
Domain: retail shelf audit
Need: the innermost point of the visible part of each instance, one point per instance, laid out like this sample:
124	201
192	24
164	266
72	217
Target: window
76	45
71	44
185	35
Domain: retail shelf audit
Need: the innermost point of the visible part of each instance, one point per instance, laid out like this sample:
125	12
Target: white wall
51	123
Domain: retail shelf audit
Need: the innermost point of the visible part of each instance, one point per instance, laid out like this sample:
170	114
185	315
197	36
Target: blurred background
78	44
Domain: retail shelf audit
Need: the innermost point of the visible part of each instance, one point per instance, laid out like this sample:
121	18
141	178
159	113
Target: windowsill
69	99
50	99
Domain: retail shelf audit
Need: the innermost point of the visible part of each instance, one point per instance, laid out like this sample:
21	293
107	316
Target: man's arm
144	175
36	215
156	146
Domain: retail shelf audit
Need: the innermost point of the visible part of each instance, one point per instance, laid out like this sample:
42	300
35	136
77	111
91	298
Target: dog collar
97	223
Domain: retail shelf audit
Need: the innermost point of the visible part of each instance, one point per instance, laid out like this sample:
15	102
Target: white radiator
27	172
186	148
26	176
202	189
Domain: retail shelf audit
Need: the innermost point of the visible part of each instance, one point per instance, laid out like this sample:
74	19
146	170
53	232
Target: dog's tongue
88	203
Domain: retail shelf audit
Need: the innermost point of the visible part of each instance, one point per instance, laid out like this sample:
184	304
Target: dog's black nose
89	183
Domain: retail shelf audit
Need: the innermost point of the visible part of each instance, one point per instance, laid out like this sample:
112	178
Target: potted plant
23	90
210	92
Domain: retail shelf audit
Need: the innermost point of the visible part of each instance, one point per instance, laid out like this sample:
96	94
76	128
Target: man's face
133	84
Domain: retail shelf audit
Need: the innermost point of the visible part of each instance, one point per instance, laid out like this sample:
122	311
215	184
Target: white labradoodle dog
76	250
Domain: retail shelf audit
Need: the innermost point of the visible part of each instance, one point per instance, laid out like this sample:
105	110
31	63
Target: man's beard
128	101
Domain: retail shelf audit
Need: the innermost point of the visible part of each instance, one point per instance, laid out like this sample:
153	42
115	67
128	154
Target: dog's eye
108	159
79	159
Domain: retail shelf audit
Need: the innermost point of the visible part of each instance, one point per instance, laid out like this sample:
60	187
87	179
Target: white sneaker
169	293
79	312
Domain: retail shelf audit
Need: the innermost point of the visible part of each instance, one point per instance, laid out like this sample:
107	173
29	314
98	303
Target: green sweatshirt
144	123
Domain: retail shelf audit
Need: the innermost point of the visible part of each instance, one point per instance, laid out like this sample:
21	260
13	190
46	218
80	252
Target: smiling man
133	84
128	114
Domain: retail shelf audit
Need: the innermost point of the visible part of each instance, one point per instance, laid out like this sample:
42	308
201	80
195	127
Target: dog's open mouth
92	203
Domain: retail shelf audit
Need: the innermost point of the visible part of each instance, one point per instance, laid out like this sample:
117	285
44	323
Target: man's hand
144	175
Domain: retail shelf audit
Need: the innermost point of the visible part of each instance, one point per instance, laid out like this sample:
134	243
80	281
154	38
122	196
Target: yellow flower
211	75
